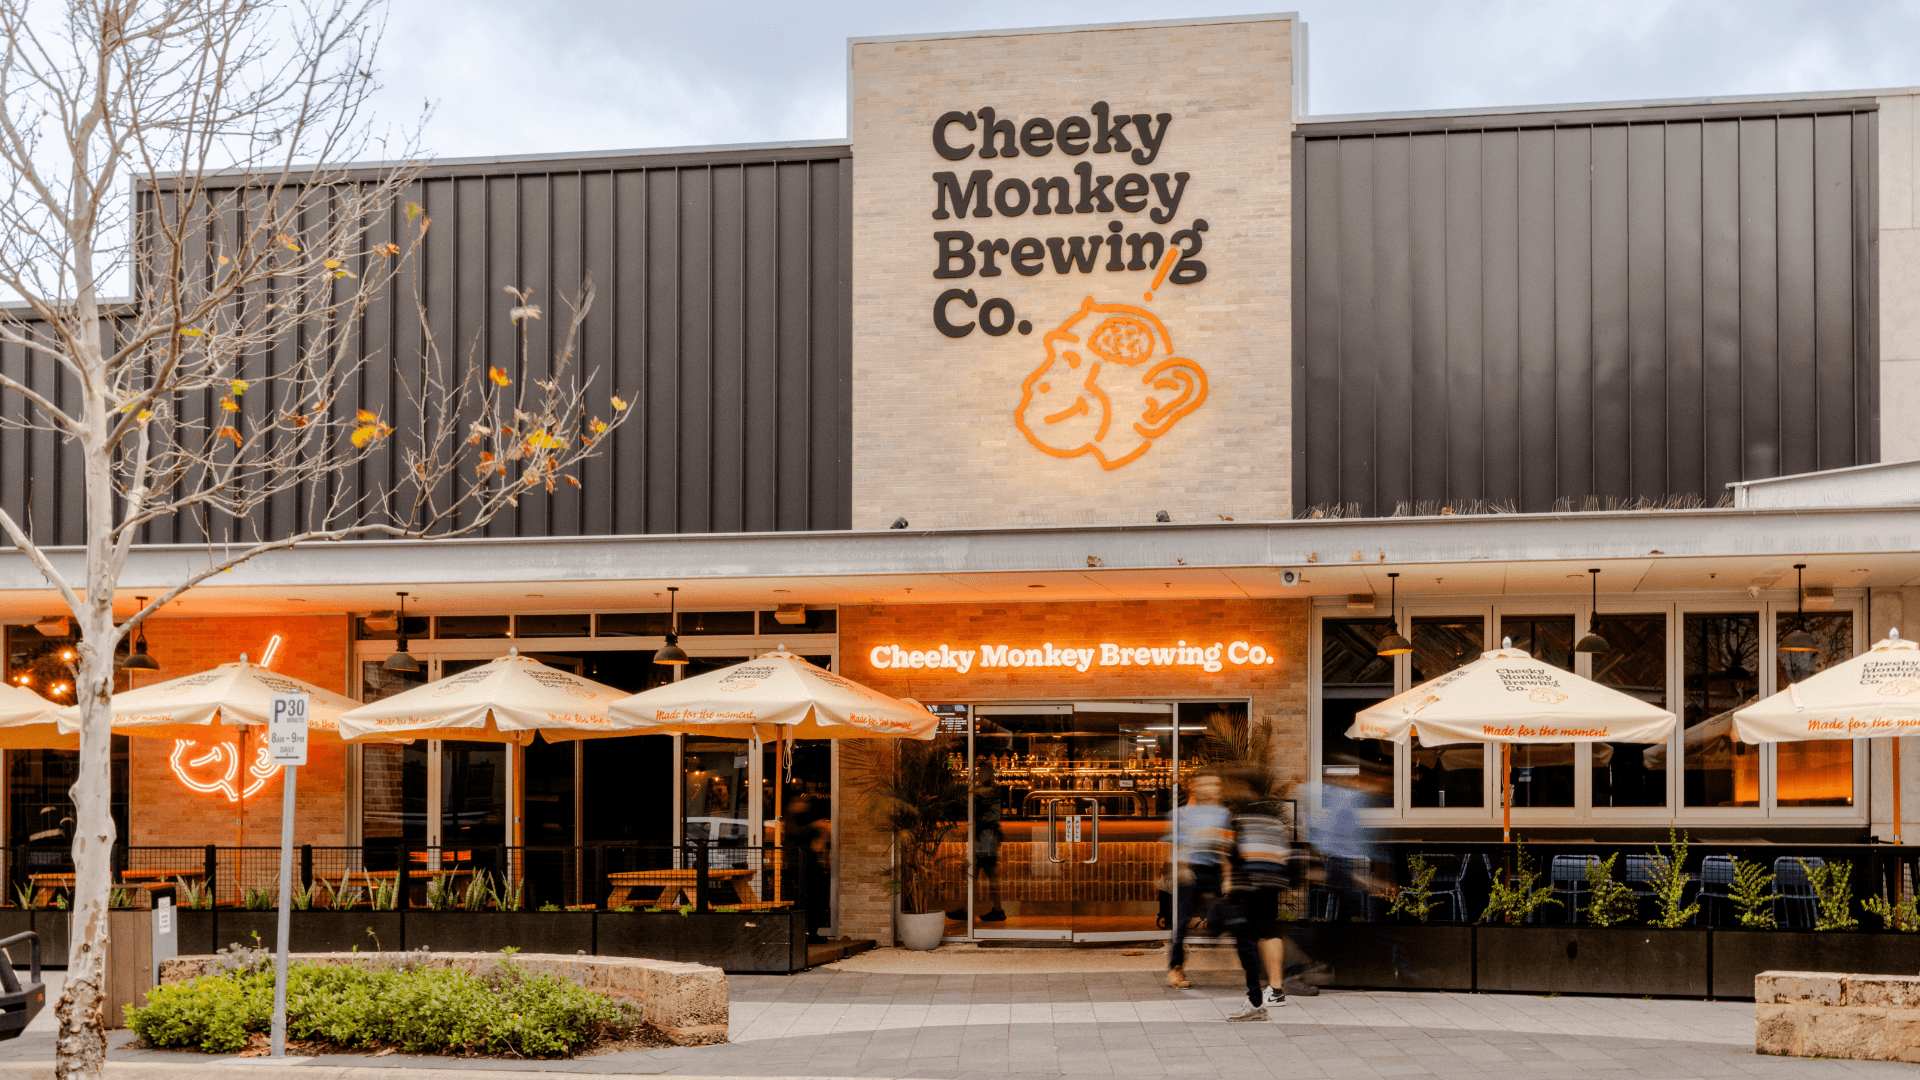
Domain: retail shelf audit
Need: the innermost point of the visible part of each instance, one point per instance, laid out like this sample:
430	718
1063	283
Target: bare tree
199	150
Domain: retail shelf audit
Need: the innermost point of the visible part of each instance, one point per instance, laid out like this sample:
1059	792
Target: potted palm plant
919	796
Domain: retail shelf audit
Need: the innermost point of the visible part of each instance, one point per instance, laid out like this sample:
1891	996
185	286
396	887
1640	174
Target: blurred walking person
1257	876
1204	841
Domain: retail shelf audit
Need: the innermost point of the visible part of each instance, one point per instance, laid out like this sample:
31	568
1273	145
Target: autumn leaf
287	242
338	270
599	426
368	418
366	433
227	432
544	440
499	377
573	481
295	419
529	311
413	210
191	332
229	405
619	403
143	415
238	386
223	260
388	250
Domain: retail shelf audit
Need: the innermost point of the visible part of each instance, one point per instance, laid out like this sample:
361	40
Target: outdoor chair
1638	876
1716	886
1449	873
1794	900
1333	904
1568	876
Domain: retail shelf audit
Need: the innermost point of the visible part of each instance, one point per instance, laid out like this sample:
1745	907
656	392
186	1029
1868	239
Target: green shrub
1902	915
1517	902
1668	883
1416	899
419	1010
1749	894
1833	884
1609	901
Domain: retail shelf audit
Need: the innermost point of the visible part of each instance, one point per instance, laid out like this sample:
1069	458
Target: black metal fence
1360	888
605	876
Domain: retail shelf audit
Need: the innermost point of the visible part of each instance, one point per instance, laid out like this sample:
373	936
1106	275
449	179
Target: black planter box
561	932
52	925
742	942
343	931
238	926
196	931
1436	956
1619	960
1739	955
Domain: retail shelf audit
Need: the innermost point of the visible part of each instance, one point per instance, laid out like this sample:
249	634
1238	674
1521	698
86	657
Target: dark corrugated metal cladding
1525	311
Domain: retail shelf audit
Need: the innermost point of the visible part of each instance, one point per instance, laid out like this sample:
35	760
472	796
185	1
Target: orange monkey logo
215	769
1110	384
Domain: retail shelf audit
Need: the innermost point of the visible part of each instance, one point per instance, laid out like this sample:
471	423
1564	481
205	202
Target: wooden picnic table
672	883
44	885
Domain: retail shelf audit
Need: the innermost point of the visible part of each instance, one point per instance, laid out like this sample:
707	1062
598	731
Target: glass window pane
1632	774
385	628
634	624
628	793
377	682
549	793
1722	663
814	621
715	796
1817	772
470	626
553	626
1353	676
473	796
716	622
1447	776
1542	775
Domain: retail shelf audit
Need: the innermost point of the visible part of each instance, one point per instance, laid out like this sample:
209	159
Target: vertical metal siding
1544	308
722	316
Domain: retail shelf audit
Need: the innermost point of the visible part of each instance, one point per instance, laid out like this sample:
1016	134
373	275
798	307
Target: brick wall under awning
164	812
1277	692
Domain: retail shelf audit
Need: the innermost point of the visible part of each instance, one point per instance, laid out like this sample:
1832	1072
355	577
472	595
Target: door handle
1095	857
1053	837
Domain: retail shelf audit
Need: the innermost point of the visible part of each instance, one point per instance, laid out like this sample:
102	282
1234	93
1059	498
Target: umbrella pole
1506	792
1896	789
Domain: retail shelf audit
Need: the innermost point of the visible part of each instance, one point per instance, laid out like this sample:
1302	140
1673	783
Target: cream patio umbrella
776	696
1871	695
510	700
193	708
31	722
1508	697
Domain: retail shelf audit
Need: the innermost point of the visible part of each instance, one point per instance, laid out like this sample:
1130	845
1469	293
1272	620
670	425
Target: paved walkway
846	1023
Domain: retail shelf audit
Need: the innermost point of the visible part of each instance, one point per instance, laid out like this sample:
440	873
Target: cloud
569	76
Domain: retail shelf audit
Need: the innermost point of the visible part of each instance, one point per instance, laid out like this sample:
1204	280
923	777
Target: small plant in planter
441	895
550	906
1610	902
1750	896
1902	915
385	895
479	892
508	896
1416	899
259	900
1833	884
344	897
1669	883
1516	901
23	894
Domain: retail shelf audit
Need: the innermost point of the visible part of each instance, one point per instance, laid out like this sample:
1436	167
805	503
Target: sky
562	76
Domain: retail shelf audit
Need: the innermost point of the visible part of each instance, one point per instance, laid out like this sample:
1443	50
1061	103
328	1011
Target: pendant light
1394	645
401	660
1799	640
1593	642
672	653
138	659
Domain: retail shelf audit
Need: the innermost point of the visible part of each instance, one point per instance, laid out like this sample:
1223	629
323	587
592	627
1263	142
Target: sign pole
287	743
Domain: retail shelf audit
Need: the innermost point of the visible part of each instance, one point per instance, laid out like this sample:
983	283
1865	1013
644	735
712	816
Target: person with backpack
1257	875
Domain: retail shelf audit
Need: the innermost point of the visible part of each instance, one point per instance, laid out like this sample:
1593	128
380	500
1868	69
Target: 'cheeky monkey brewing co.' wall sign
1070	273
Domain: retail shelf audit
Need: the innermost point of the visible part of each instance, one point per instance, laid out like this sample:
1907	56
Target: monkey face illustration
1109	386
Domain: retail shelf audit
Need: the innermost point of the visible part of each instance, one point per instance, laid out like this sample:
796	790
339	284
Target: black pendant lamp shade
1593	642
1799	640
139	659
672	653
1395	644
401	660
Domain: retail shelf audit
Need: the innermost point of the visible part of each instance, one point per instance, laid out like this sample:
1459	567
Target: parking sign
287	730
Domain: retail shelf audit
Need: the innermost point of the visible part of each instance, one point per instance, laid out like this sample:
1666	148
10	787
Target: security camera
1289	578
1753	591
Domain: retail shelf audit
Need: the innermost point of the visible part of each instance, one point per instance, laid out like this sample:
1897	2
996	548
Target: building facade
1099	396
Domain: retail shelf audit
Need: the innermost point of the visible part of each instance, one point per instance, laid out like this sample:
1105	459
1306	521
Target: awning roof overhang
1504	553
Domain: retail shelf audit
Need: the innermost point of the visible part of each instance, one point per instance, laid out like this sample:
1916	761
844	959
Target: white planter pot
921	932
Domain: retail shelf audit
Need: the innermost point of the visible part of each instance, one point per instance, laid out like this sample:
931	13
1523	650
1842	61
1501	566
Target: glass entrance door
1068	823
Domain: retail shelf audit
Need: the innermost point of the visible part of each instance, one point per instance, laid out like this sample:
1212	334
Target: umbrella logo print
1546	695
1110	384
1898	687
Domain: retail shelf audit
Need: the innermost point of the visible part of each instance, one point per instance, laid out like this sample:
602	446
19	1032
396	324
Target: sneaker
1248	1015
1296	988
1272	998
1177	978
996	915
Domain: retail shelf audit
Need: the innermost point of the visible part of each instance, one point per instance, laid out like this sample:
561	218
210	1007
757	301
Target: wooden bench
672	883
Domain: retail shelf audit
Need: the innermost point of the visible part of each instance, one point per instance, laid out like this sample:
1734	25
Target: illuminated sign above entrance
1180	654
